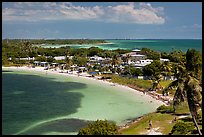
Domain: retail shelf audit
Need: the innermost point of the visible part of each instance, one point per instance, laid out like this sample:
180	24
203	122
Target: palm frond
194	95
172	84
180	94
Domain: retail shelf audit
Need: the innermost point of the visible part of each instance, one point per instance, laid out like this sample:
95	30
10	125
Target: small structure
133	56
29	58
60	58
36	63
44	64
96	59
137	51
146	61
54	65
137	57
74	67
82	69
163	60
141	63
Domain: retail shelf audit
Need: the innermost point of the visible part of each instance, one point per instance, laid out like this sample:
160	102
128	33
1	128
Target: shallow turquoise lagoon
36	103
163	45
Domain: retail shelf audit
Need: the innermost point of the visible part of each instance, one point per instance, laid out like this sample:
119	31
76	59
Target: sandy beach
59	72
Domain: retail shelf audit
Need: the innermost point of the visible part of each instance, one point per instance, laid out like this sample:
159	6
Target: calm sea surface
36	103
159	45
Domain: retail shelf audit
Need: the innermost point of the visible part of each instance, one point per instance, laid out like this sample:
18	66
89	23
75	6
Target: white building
141	63
29	58
59	58
134	56
146	61
96	59
163	60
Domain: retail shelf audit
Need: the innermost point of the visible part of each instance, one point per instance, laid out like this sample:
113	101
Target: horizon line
100	38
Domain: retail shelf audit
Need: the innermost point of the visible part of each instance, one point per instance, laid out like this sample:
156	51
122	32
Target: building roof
135	50
54	63
138	55
164	59
43	62
146	60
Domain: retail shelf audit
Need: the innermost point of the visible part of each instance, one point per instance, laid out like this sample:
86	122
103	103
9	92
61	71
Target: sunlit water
36	103
164	45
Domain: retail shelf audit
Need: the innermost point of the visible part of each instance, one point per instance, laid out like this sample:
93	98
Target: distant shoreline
73	45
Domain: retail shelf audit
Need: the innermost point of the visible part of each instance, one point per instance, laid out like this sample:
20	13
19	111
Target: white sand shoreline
126	88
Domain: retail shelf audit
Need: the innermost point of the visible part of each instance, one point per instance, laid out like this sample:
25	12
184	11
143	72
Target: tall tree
115	60
187	85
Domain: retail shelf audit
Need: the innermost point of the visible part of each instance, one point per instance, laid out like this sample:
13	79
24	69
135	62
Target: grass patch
132	82
158	120
182	108
165	83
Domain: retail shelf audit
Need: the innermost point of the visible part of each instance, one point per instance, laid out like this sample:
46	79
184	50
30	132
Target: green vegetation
163	121
58	41
165	109
132	82
99	127
188	84
182	128
182	108
185	67
154	55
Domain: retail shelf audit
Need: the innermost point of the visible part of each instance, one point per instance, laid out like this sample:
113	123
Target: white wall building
59	58
163	60
96	59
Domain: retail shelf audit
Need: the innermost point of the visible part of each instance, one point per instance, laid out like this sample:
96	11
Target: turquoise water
36	103
159	45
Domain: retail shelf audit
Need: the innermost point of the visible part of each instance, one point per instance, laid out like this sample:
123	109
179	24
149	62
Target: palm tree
115	60
188	87
128	56
68	61
167	68
156	82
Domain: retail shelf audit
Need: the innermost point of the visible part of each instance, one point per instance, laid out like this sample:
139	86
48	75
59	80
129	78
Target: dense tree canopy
152	69
154	55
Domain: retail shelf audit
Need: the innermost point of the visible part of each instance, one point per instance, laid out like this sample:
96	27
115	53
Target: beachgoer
150	124
174	120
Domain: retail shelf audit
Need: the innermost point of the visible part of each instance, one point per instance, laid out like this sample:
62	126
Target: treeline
24	49
56	41
21	49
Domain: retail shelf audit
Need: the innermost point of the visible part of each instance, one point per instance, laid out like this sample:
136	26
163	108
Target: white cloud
144	13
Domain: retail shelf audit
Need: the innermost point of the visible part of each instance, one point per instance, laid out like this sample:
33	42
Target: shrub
165	109
182	128
99	127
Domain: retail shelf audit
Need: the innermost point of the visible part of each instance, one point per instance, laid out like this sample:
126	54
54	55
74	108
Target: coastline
126	88
59	72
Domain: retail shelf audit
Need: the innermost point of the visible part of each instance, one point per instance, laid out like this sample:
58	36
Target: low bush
99	127
165	109
182	128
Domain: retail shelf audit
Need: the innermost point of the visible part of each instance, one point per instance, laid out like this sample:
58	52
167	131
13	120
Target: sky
102	20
